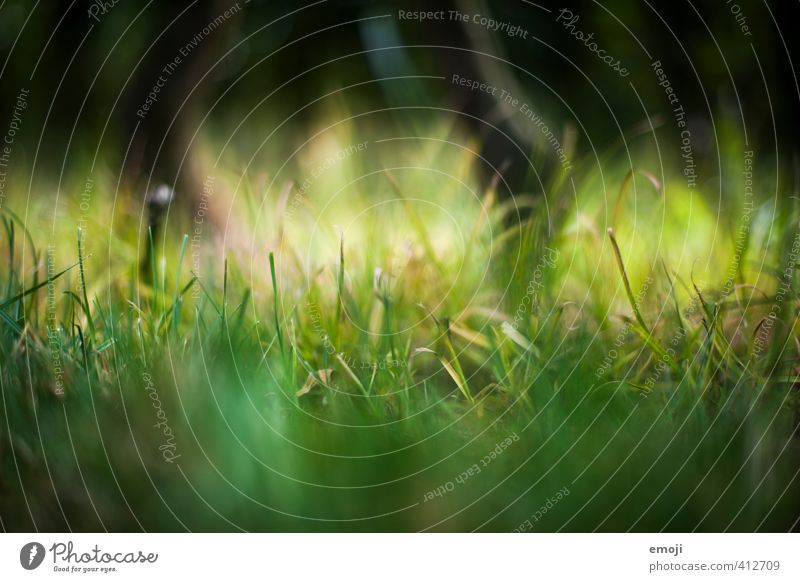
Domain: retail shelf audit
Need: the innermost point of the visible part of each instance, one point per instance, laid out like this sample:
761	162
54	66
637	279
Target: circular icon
31	555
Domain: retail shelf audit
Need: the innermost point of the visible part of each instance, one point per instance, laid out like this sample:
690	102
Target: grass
353	379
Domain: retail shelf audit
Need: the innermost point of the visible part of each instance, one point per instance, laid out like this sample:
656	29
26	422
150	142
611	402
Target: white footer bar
406	557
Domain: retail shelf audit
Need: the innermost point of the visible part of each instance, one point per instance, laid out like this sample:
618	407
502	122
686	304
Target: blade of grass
9	226
340	283
153	268
87	308
626	282
34	288
177	297
275	302
456	365
646	335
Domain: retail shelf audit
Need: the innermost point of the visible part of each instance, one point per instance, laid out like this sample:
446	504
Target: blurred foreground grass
424	353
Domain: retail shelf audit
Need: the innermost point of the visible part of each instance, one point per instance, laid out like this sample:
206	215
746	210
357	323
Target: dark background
87	77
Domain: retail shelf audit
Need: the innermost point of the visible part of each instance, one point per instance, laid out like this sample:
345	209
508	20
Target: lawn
376	338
